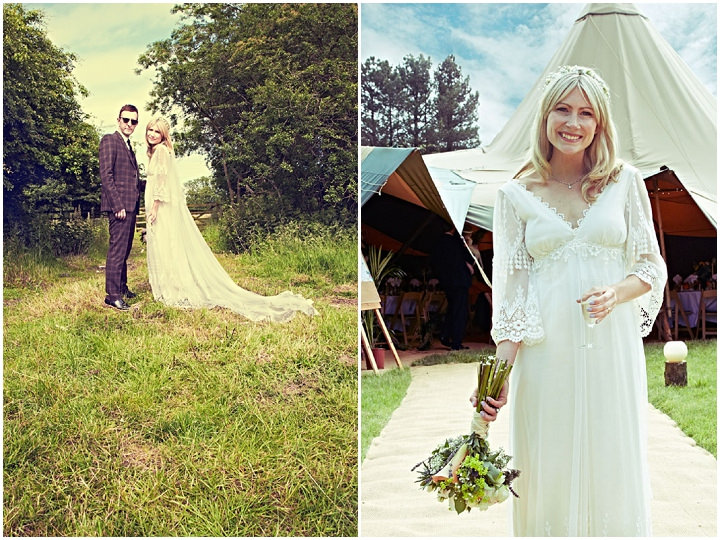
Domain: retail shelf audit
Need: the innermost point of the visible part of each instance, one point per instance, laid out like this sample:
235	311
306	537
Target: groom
120	198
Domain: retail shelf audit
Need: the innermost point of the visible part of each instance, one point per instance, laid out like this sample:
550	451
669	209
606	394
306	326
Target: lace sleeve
516	314
160	166
642	254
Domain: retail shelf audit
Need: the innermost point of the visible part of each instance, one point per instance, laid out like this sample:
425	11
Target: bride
183	271
575	226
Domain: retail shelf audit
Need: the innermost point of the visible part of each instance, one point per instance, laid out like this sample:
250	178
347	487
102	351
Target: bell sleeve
642	254
160	165
516	313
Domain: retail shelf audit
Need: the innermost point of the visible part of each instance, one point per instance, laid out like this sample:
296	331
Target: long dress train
578	415
182	269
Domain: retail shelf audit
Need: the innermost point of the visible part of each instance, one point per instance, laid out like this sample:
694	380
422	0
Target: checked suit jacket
119	175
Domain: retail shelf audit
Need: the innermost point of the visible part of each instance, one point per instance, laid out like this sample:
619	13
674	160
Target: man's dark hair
129	108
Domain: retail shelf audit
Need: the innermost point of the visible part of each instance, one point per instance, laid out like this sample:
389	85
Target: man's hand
121	214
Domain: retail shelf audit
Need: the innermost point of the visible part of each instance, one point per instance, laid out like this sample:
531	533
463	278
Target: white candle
675	351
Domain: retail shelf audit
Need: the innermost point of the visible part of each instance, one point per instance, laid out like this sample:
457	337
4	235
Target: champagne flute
588	320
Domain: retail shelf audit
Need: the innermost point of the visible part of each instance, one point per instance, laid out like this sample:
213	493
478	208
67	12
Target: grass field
169	422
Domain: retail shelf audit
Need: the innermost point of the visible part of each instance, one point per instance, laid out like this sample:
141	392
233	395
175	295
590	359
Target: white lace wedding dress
578	416
182	269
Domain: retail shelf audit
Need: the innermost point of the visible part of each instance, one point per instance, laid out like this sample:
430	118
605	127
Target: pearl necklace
569	186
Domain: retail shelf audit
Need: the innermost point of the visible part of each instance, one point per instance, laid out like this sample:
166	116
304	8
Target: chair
435	302
708	306
409	311
678	312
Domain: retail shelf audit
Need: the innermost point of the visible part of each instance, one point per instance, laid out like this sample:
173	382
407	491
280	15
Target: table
690	301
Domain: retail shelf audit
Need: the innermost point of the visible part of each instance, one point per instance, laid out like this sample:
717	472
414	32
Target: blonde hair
163	126
600	158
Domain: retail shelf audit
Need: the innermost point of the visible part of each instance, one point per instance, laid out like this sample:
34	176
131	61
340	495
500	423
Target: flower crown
579	70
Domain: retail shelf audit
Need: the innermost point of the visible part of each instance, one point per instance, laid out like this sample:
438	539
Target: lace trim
555	211
520	260
520	320
577	247
650	274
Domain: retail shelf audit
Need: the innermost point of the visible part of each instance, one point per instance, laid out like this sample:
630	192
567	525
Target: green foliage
381	104
203	191
418	106
242	224
380	269
456	107
268	93
71	235
50	159
406	106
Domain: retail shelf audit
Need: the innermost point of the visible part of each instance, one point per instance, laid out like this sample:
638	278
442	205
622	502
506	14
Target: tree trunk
675	374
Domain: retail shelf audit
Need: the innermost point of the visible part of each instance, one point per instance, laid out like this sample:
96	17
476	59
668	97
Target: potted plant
380	268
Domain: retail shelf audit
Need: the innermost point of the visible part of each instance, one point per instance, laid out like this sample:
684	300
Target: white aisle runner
436	407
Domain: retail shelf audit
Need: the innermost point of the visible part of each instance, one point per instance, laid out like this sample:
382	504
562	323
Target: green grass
168	422
693	407
381	394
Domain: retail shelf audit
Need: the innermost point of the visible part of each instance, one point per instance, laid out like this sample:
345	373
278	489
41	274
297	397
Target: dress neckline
559	214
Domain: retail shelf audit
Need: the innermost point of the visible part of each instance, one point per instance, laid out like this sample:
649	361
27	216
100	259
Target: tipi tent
664	116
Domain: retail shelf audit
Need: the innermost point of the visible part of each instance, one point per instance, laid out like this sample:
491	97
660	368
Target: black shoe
117	304
460	348
445	342
129	294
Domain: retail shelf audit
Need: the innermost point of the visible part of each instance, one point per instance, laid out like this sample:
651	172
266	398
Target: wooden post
368	350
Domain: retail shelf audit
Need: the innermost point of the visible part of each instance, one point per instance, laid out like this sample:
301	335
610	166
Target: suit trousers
122	233
456	315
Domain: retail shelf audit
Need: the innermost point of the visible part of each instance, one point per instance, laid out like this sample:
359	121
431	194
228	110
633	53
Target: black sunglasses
129	120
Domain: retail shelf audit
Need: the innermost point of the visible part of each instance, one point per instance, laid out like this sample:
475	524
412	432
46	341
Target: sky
108	39
504	48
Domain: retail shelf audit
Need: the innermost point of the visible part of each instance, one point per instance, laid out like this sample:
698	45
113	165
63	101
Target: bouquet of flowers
463	470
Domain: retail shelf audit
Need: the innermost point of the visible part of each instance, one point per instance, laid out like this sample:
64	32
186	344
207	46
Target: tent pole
664	323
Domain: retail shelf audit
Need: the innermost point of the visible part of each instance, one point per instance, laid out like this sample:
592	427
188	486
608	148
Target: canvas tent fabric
402	173
663	114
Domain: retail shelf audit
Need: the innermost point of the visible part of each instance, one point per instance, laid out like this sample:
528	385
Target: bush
203	191
72	235
248	222
244	223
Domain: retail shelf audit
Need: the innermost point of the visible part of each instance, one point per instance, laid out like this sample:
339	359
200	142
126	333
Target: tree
416	107
405	106
456	107
50	162
268	92
381	97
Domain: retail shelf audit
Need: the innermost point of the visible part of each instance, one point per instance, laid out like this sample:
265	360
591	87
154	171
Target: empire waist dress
578	414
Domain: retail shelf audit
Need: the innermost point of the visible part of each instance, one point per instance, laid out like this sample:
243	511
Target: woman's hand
152	214
603	301
491	407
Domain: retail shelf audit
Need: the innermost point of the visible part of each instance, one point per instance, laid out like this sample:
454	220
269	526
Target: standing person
182	269
120	198
452	263
574	225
